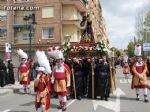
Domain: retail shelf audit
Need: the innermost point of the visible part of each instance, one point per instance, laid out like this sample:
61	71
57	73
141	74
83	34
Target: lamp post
31	28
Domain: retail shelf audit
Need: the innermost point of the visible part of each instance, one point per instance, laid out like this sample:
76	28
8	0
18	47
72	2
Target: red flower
49	49
54	48
60	49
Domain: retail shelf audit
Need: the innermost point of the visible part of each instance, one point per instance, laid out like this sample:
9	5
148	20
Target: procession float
88	48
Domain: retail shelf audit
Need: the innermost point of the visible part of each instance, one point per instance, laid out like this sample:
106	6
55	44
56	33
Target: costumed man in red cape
24	70
126	68
139	80
61	79
42	84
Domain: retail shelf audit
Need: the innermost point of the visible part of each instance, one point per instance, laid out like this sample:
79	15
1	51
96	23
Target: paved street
124	101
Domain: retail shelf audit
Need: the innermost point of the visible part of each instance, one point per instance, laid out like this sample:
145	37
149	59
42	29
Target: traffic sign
146	46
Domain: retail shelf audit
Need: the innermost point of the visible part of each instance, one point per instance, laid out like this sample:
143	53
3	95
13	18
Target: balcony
71	16
79	4
71	32
23	1
69	12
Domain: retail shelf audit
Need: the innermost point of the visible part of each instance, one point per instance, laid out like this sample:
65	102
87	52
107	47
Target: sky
120	19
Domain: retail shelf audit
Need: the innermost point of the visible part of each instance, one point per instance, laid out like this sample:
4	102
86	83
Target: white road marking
115	106
69	104
6	110
125	81
119	92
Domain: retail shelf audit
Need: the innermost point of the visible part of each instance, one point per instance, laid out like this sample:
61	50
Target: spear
92	80
73	79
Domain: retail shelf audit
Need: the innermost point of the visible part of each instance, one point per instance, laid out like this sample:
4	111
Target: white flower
68	44
104	49
65	49
90	48
63	43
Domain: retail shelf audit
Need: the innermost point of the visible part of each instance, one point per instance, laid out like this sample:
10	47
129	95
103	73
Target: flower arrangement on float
84	48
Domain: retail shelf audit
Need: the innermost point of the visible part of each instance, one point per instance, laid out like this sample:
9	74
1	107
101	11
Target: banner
8	51
7	48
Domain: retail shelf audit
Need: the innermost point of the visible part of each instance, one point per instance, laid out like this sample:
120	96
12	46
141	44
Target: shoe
25	91
64	106
60	105
102	98
137	99
106	99
146	100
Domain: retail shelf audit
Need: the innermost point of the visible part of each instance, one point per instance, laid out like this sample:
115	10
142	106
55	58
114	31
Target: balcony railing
80	4
22	1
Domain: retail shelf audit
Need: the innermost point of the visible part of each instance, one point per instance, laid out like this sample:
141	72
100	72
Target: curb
6	92
9	89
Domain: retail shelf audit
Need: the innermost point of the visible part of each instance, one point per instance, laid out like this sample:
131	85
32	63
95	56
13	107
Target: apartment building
56	21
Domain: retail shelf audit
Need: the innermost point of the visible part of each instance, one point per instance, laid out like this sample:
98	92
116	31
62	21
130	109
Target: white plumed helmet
22	54
138	50
42	69
43	61
56	52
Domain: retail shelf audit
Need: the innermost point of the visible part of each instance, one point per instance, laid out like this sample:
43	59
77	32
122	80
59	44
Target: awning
22	26
3	17
3	30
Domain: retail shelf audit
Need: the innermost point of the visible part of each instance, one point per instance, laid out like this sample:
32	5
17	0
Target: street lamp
31	28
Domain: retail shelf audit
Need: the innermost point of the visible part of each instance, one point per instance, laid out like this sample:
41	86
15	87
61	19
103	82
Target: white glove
140	76
68	85
52	81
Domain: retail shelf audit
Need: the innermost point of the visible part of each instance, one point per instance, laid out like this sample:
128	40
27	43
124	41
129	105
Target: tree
139	30
118	53
130	50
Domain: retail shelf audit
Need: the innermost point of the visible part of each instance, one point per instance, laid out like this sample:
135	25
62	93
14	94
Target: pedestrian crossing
125	81
128	81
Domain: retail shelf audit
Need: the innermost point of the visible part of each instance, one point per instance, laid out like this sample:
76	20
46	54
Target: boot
102	97
137	97
64	107
106	99
146	99
25	90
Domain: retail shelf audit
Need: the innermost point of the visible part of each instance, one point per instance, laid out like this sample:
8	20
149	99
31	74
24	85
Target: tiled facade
60	22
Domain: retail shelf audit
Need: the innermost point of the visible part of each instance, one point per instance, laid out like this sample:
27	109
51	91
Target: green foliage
130	50
118	53
66	48
101	48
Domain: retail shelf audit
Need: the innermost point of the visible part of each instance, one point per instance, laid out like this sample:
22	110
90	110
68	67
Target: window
47	12
3	14
25	36
3	34
23	1
47	33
